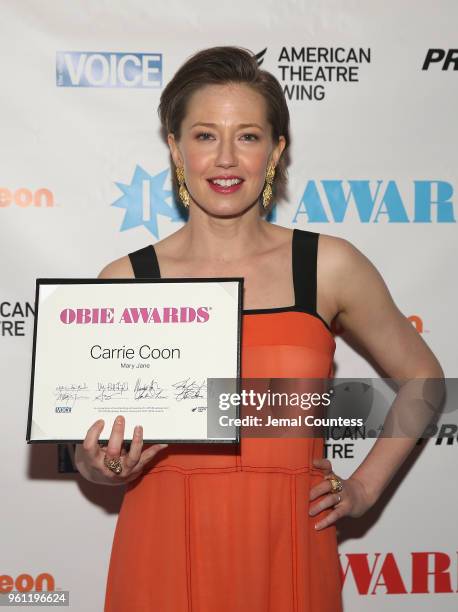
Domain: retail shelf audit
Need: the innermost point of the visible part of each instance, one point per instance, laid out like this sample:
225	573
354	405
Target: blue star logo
144	199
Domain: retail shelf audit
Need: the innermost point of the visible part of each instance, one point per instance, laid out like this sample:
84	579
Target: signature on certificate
188	389
151	389
107	391
66	395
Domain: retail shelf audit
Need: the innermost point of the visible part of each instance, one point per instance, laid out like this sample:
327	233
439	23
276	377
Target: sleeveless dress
222	527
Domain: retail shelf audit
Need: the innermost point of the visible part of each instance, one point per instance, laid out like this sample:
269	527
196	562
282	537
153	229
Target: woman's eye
252	137
202	134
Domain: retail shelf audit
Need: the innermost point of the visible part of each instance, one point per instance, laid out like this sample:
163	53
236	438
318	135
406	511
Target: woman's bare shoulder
338	254
354	281
334	242
118	268
342	270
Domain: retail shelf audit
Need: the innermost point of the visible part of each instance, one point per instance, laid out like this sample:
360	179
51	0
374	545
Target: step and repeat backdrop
84	179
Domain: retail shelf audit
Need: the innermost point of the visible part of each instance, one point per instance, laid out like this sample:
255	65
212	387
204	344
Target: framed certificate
153	350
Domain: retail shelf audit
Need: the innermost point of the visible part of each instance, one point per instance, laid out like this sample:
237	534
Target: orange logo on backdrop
26	197
417	322
25	583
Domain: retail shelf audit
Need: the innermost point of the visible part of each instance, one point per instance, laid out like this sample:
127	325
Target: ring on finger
113	464
336	483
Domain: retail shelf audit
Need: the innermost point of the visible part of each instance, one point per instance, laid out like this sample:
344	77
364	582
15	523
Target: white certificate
141	348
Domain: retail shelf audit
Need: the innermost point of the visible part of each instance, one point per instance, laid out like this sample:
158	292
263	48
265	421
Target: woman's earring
267	193
183	192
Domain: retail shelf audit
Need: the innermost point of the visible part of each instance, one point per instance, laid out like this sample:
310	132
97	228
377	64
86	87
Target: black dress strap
144	262
305	251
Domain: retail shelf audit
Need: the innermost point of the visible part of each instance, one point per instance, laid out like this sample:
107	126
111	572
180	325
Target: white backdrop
72	144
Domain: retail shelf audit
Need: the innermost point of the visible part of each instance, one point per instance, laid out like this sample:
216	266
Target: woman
249	527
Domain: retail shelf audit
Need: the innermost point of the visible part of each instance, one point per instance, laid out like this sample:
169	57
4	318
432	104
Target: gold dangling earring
183	192
267	193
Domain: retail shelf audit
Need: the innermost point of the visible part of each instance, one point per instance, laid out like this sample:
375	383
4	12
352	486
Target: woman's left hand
353	500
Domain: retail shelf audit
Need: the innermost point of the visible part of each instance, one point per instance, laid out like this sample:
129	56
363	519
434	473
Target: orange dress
225	528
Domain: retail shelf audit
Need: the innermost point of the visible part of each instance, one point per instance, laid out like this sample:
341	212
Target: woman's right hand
89	456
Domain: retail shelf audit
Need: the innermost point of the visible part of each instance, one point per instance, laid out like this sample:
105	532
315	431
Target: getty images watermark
312	408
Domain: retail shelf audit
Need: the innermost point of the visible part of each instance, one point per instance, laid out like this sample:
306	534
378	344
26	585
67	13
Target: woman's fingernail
118	420
163	445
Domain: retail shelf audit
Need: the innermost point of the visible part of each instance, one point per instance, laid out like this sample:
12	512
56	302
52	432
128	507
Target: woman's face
225	136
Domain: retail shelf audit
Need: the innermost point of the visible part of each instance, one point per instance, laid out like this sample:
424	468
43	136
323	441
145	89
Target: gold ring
113	464
336	483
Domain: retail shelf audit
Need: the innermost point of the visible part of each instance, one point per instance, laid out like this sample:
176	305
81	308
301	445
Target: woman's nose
226	155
